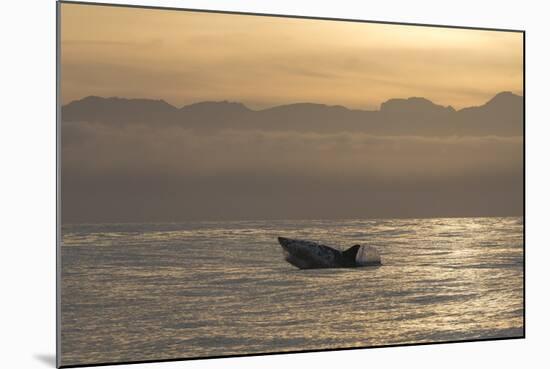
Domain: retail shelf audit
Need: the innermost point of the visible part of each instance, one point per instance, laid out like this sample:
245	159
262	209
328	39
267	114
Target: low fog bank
132	173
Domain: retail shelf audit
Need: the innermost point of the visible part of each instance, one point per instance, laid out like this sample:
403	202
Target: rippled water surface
159	291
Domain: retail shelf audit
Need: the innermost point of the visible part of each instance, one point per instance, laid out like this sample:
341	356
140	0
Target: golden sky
185	57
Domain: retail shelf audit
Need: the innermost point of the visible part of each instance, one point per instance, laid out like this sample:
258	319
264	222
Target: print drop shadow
48	359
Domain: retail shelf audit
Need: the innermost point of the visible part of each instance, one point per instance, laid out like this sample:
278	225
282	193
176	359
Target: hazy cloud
173	173
263	61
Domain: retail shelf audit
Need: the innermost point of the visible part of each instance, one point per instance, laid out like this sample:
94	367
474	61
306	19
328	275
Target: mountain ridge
497	96
500	115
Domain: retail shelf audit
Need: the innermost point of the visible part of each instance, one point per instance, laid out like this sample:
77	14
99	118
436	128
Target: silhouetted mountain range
500	116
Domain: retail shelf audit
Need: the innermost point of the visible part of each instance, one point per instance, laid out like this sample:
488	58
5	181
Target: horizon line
288	219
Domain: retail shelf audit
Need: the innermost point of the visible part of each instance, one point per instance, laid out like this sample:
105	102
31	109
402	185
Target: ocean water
160	291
